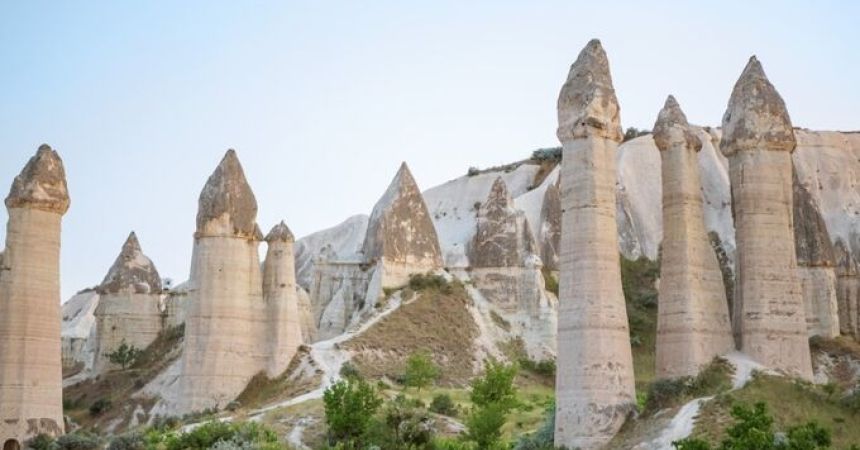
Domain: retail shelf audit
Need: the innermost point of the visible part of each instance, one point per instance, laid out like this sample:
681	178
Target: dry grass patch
262	390
436	321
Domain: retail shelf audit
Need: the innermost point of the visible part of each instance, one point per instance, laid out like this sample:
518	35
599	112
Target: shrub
664	393
124	355
544	437
443	404
349	409
408	425
41	441
348	370
632	133
484	425
547	154
420	282
99	406
545	367
496	386
222	435
129	441
550	281
421	371
77	441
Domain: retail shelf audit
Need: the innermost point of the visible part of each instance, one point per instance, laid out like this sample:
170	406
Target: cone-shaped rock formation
504	237
594	382
693	321
128	310
31	399
281	298
550	227
758	140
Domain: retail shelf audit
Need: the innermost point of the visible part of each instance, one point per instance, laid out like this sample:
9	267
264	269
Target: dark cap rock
227	206
280	232
41	184
672	129
587	105
132	272
756	117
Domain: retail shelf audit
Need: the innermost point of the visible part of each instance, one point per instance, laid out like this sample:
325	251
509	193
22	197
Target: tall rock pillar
281	298
758	140
225	327
693	321
31	394
594	383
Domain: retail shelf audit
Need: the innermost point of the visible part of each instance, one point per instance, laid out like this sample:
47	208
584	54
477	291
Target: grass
262	390
436	321
112	391
791	402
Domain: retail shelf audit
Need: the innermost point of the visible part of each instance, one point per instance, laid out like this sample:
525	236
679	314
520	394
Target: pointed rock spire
280	232
811	238
41	184
756	116
503	238
400	228
587	105
132	272
672	129
227	206
550	227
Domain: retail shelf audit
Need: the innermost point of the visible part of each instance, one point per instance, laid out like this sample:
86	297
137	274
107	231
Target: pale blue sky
323	99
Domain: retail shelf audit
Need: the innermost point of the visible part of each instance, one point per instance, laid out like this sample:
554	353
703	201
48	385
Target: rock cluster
129	307
758	139
594	389
30	361
693	323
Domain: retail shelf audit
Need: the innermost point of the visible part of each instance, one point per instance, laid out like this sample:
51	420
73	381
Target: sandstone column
847	289
281	298
693	319
225	327
594	384
758	140
31	398
128	309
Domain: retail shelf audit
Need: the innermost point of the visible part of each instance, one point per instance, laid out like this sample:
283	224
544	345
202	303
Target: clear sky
324	99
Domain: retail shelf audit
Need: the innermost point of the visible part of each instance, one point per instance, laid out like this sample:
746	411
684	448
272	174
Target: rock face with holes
693	320
225	325
129	305
815	264
401	238
30	361
281	300
758	140
594	384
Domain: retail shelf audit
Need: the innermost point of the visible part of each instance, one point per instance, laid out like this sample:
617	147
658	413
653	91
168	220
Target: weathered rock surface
227	206
550	227
281	298
225	326
400	234
594	388
129	309
848	289
504	237
30	360
815	261
693	323
758	140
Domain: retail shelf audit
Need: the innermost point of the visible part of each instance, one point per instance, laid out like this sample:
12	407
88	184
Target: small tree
494	395
349	409
421	371
124	355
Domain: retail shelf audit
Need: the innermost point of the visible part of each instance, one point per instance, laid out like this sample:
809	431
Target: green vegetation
791	402
544	437
493	396
633	133
421	371
638	280
350	406
550	280
547	154
124	355
211	435
713	379
444	404
429	281
753	429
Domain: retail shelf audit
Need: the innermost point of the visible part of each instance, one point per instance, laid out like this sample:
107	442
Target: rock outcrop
282	301
758	140
594	383
507	271
550	227
847	289
815	264
401	237
693	319
31	399
129	308
225	325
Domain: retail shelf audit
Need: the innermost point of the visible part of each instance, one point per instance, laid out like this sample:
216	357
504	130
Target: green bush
129	441
41	441
421	371
349	409
407	425
544	437
484	425
124	355
223	435
496	386
428	281
77	441
348	370
443	404
545	367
